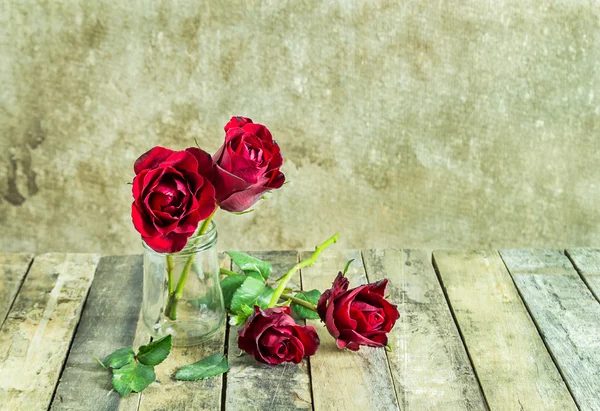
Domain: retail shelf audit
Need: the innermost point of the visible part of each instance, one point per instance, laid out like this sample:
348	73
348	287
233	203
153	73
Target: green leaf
155	352
264	298
208	367
132	377
229	285
346	268
247	294
118	358
250	264
312	297
244	312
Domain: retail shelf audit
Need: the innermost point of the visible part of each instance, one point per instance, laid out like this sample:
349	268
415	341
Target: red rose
273	337
246	166
361	316
171	196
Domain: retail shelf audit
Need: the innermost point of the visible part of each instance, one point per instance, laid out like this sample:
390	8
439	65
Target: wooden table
507	330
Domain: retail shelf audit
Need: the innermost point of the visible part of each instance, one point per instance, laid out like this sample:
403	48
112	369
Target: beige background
414	123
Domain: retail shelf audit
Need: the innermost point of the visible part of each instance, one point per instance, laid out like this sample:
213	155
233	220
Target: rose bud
273	337
361	316
246	166
172	194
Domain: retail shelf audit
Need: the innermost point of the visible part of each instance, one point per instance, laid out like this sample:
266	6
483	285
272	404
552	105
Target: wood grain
169	394
429	363
512	364
343	379
37	332
13	268
587	262
255	386
567	315
108	322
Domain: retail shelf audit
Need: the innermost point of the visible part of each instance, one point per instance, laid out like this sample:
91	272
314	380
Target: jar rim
195	243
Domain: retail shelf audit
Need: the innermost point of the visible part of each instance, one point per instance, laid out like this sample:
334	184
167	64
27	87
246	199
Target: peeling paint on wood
429	363
36	335
567	316
512	364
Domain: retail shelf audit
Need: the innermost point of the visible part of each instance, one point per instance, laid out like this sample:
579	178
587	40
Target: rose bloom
361	316
273	337
171	196
246	166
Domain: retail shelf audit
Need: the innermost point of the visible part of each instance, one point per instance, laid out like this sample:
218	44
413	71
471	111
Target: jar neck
196	243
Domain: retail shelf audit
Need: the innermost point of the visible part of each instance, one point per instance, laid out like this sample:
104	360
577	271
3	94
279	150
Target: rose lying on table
354	317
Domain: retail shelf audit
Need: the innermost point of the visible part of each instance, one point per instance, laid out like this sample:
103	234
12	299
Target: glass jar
182	291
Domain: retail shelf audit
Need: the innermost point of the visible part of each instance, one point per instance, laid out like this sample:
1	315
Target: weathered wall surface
439	124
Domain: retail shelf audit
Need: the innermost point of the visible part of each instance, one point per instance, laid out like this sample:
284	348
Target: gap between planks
512	363
566	314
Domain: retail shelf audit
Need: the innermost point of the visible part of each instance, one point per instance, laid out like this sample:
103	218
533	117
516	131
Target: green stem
308	262
175	296
299	301
227	272
170	272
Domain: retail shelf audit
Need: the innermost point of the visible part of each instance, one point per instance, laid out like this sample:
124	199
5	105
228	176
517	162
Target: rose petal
243	200
205	161
141	222
181	160
172	243
151	159
237	121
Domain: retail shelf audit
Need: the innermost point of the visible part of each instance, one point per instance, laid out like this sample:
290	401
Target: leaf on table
208	367
132	377
229	286
247	294
119	358
312	297
250	265
155	352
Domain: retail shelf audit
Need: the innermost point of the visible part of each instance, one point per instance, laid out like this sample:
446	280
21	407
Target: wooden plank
567	316
13	268
343	379
108	322
587	262
169	394
429	363
512	364
36	335
255	386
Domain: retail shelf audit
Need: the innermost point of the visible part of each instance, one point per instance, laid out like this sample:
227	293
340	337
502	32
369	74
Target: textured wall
440	124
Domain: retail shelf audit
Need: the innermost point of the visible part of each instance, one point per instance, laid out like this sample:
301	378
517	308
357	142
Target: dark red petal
243	200
309	337
172	243
226	184
151	159
205	161
138	186
181	160
207	202
276	181
141	223
260	131
237	121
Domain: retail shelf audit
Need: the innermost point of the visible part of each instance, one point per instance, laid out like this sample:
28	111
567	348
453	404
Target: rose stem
170	271
298	301
306	263
178	293
227	272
